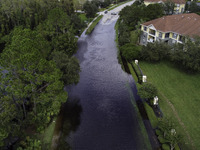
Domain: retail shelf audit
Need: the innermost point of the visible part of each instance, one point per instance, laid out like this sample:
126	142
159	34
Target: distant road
109	18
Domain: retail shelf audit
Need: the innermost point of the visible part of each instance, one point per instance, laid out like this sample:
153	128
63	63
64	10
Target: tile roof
175	1
184	24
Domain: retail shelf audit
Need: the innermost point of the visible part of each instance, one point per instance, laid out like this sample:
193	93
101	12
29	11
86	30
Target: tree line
36	62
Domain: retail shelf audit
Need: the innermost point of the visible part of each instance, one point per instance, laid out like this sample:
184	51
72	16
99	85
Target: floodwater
105	118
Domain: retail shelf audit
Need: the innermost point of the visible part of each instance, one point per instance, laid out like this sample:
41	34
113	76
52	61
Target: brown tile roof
175	1
184	24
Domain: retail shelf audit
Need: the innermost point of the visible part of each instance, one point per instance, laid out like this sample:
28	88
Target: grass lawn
121	3
47	136
92	26
152	117
179	96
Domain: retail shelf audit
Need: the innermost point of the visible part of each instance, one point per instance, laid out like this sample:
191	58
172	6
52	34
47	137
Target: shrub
147	91
158	132
130	51
155	52
165	147
161	139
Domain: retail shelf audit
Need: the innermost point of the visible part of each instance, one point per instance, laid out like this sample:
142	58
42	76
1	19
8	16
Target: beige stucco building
179	4
170	29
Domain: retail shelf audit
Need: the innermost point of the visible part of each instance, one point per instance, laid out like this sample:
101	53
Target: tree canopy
32	90
37	47
130	51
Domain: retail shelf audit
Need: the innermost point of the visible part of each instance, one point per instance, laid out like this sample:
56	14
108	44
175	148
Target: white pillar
144	78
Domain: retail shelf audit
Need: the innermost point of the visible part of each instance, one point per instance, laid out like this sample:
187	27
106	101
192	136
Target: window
180	38
174	35
153	32
145	28
166	35
160	35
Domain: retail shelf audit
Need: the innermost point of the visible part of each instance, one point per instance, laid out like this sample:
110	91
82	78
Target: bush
158	132
161	139
90	9
147	91
137	72
165	147
177	147
130	51
155	52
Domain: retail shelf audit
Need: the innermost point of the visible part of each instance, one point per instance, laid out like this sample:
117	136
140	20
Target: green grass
83	17
182	90
134	37
114	6
116	33
132	72
144	134
47	136
152	117
92	26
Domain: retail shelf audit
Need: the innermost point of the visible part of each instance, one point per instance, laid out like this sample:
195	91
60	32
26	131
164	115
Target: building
170	29
179	4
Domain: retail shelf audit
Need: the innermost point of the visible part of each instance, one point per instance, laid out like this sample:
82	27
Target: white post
144	78
155	101
136	62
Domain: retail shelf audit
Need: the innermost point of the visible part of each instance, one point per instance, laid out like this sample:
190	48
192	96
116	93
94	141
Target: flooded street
107	119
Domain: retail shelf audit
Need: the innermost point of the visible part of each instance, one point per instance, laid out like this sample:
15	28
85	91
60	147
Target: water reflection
71	121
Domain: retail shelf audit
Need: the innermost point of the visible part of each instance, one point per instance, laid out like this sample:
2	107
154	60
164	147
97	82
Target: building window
153	32
166	35
180	38
145	28
160	35
174	35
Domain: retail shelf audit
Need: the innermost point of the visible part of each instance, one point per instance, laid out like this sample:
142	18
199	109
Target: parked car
105	12
113	13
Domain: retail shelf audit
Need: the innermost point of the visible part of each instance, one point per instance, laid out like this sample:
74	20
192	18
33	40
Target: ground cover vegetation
179	60
192	7
37	47
129	24
92	7
178	93
92	26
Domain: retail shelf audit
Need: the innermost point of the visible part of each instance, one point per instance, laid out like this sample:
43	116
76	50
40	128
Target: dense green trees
37	47
130	51
155	52
130	16
168	7
192	7
185	56
31	88
90	9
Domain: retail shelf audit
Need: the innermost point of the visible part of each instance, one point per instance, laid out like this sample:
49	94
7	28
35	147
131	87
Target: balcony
152	32
151	39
